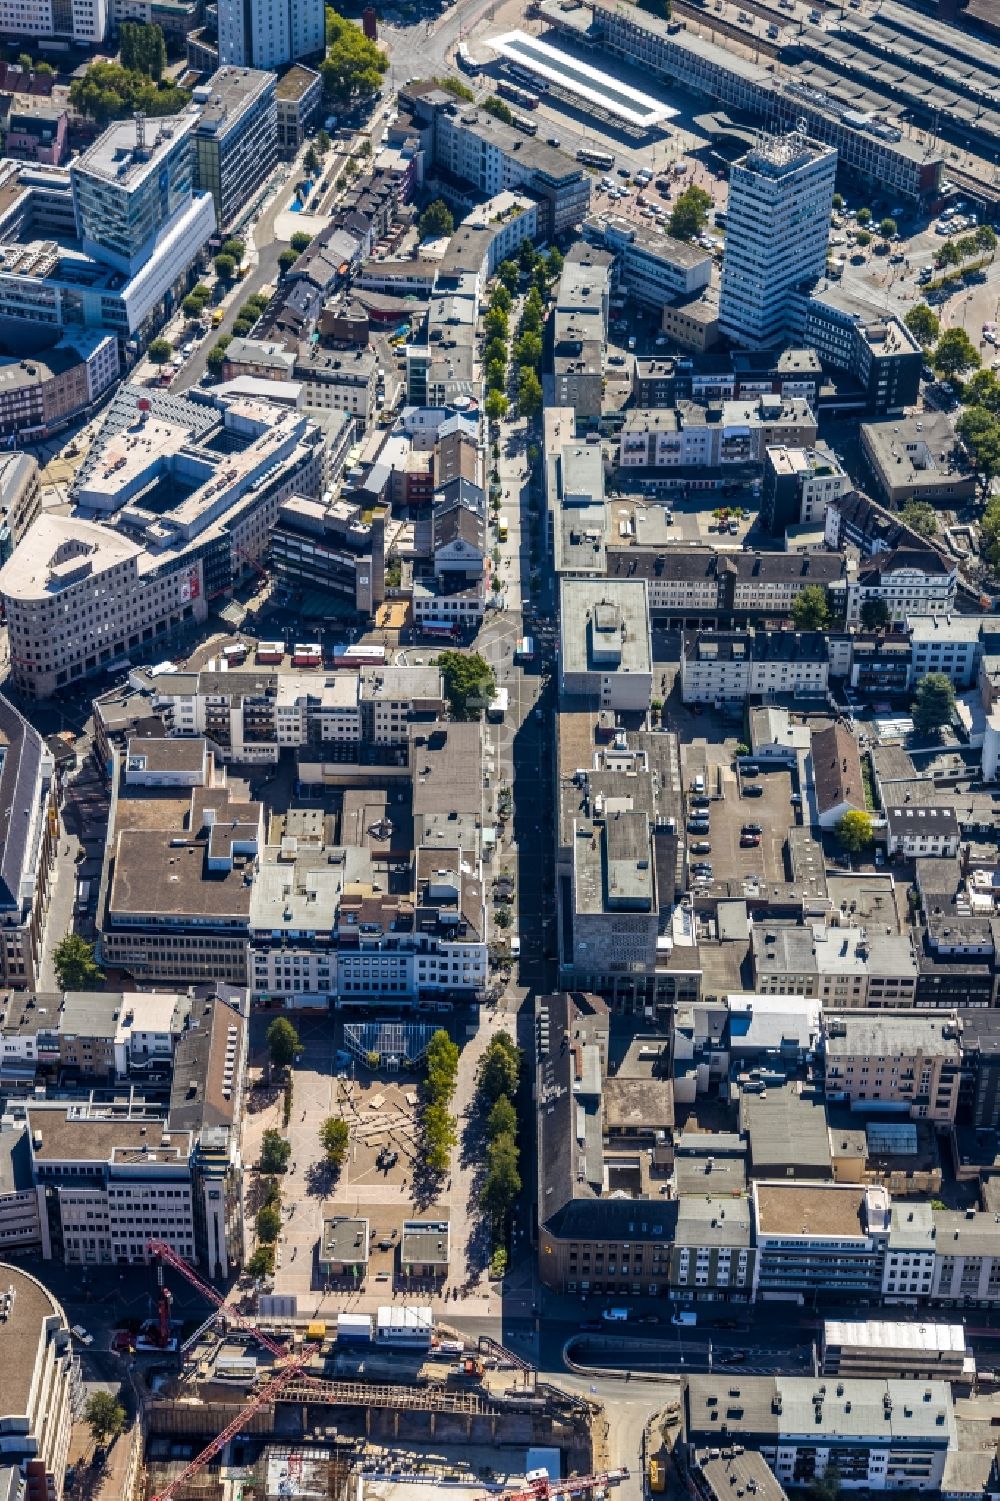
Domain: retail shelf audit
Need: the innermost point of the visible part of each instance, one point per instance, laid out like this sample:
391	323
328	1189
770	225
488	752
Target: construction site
241	1410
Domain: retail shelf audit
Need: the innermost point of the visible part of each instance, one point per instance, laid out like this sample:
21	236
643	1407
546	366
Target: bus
522	97
503	529
589	158
446	629
525	76
524	651
498	706
526	127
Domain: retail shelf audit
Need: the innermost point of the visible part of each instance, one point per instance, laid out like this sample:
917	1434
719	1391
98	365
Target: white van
615	1315
515	947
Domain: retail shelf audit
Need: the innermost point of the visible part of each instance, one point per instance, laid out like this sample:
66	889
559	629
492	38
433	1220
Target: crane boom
543	1489
160	1249
231	1429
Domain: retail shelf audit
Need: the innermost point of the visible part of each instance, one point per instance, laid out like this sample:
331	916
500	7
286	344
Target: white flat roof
878	1334
579	78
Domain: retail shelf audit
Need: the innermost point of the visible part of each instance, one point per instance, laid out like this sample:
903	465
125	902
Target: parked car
751	828
754	790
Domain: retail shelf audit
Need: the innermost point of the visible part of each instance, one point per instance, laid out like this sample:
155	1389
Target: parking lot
731	808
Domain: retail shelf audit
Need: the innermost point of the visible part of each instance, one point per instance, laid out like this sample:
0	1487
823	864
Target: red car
749	841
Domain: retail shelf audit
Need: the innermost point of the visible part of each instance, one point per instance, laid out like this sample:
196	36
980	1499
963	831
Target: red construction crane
167	1254
541	1488
231	1429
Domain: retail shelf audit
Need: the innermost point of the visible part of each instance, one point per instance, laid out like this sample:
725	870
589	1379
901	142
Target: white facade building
777	228
269	33
83	21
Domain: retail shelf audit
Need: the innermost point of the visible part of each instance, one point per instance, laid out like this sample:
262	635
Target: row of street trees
498	1080
436	1121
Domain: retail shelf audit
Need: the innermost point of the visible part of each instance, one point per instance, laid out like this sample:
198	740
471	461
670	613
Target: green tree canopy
554	262
500	1068
811	609
497	107
509	274
496	406
921	516
334	1138
979	430
216	358
690	213
159	351
875	614
501	297
986	238
110	92
287	259
310	161
495	352
502	1119
104	1416
934	704
528	350
502	1182
469	682
455	86
268	1223
300	241
496	322
236	248
863	238
436	220
274	1152
354	65
74	964
322	142
441	1061
261	1263
225	267
955	354
923	324
439	1136
529	393
888	228
283	1042
854	831
864	216
143	49
192	306
982	389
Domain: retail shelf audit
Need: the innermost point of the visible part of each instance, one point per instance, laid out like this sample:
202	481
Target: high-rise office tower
132	185
777	228
270	33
